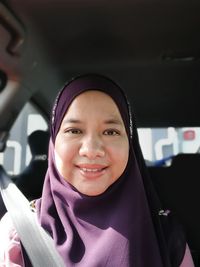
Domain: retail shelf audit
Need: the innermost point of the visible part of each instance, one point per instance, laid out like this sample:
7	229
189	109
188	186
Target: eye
111	132
73	131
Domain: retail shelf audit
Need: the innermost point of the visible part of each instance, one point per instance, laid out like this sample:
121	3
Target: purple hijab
113	229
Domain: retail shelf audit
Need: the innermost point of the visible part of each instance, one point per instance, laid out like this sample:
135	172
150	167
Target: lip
92	171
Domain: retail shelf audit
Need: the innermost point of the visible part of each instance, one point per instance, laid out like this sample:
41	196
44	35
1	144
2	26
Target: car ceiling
150	47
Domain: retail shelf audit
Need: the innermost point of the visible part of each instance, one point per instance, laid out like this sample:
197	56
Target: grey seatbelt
37	243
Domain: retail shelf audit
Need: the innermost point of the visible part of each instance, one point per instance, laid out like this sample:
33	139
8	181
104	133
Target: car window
159	145
17	154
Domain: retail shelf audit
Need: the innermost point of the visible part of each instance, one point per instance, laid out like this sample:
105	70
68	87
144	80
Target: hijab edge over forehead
85	83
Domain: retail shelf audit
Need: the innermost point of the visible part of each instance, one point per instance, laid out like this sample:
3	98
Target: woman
98	203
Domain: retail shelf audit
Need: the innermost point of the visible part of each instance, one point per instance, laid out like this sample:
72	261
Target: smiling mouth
91	170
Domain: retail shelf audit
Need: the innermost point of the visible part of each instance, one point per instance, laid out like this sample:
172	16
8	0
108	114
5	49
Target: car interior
150	48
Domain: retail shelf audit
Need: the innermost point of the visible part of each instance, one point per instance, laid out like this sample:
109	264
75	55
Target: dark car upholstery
178	188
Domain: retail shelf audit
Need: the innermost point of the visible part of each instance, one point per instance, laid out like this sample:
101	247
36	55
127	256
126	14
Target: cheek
120	154
58	161
63	156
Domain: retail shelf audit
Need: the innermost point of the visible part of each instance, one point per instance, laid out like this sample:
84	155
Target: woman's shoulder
7	229
10	246
187	260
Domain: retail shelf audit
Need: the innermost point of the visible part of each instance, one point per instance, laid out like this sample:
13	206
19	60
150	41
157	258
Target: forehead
94	93
93	102
93	99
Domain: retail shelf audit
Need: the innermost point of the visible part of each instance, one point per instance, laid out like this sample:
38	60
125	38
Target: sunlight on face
91	147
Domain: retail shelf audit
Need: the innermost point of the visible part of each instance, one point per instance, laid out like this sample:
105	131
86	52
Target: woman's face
91	147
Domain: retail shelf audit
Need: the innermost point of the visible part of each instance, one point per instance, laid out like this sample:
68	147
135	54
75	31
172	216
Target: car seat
178	188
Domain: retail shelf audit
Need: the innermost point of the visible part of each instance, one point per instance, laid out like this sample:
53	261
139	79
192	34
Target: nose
92	147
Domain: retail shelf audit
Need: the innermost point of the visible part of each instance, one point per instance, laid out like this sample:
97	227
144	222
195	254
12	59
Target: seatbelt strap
37	243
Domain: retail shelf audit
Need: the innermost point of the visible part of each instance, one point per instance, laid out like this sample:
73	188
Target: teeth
90	170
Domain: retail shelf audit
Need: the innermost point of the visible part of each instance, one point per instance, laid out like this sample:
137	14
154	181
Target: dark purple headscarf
113	229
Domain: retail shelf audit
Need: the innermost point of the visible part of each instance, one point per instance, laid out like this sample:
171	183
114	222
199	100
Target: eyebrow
108	121
71	121
113	121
